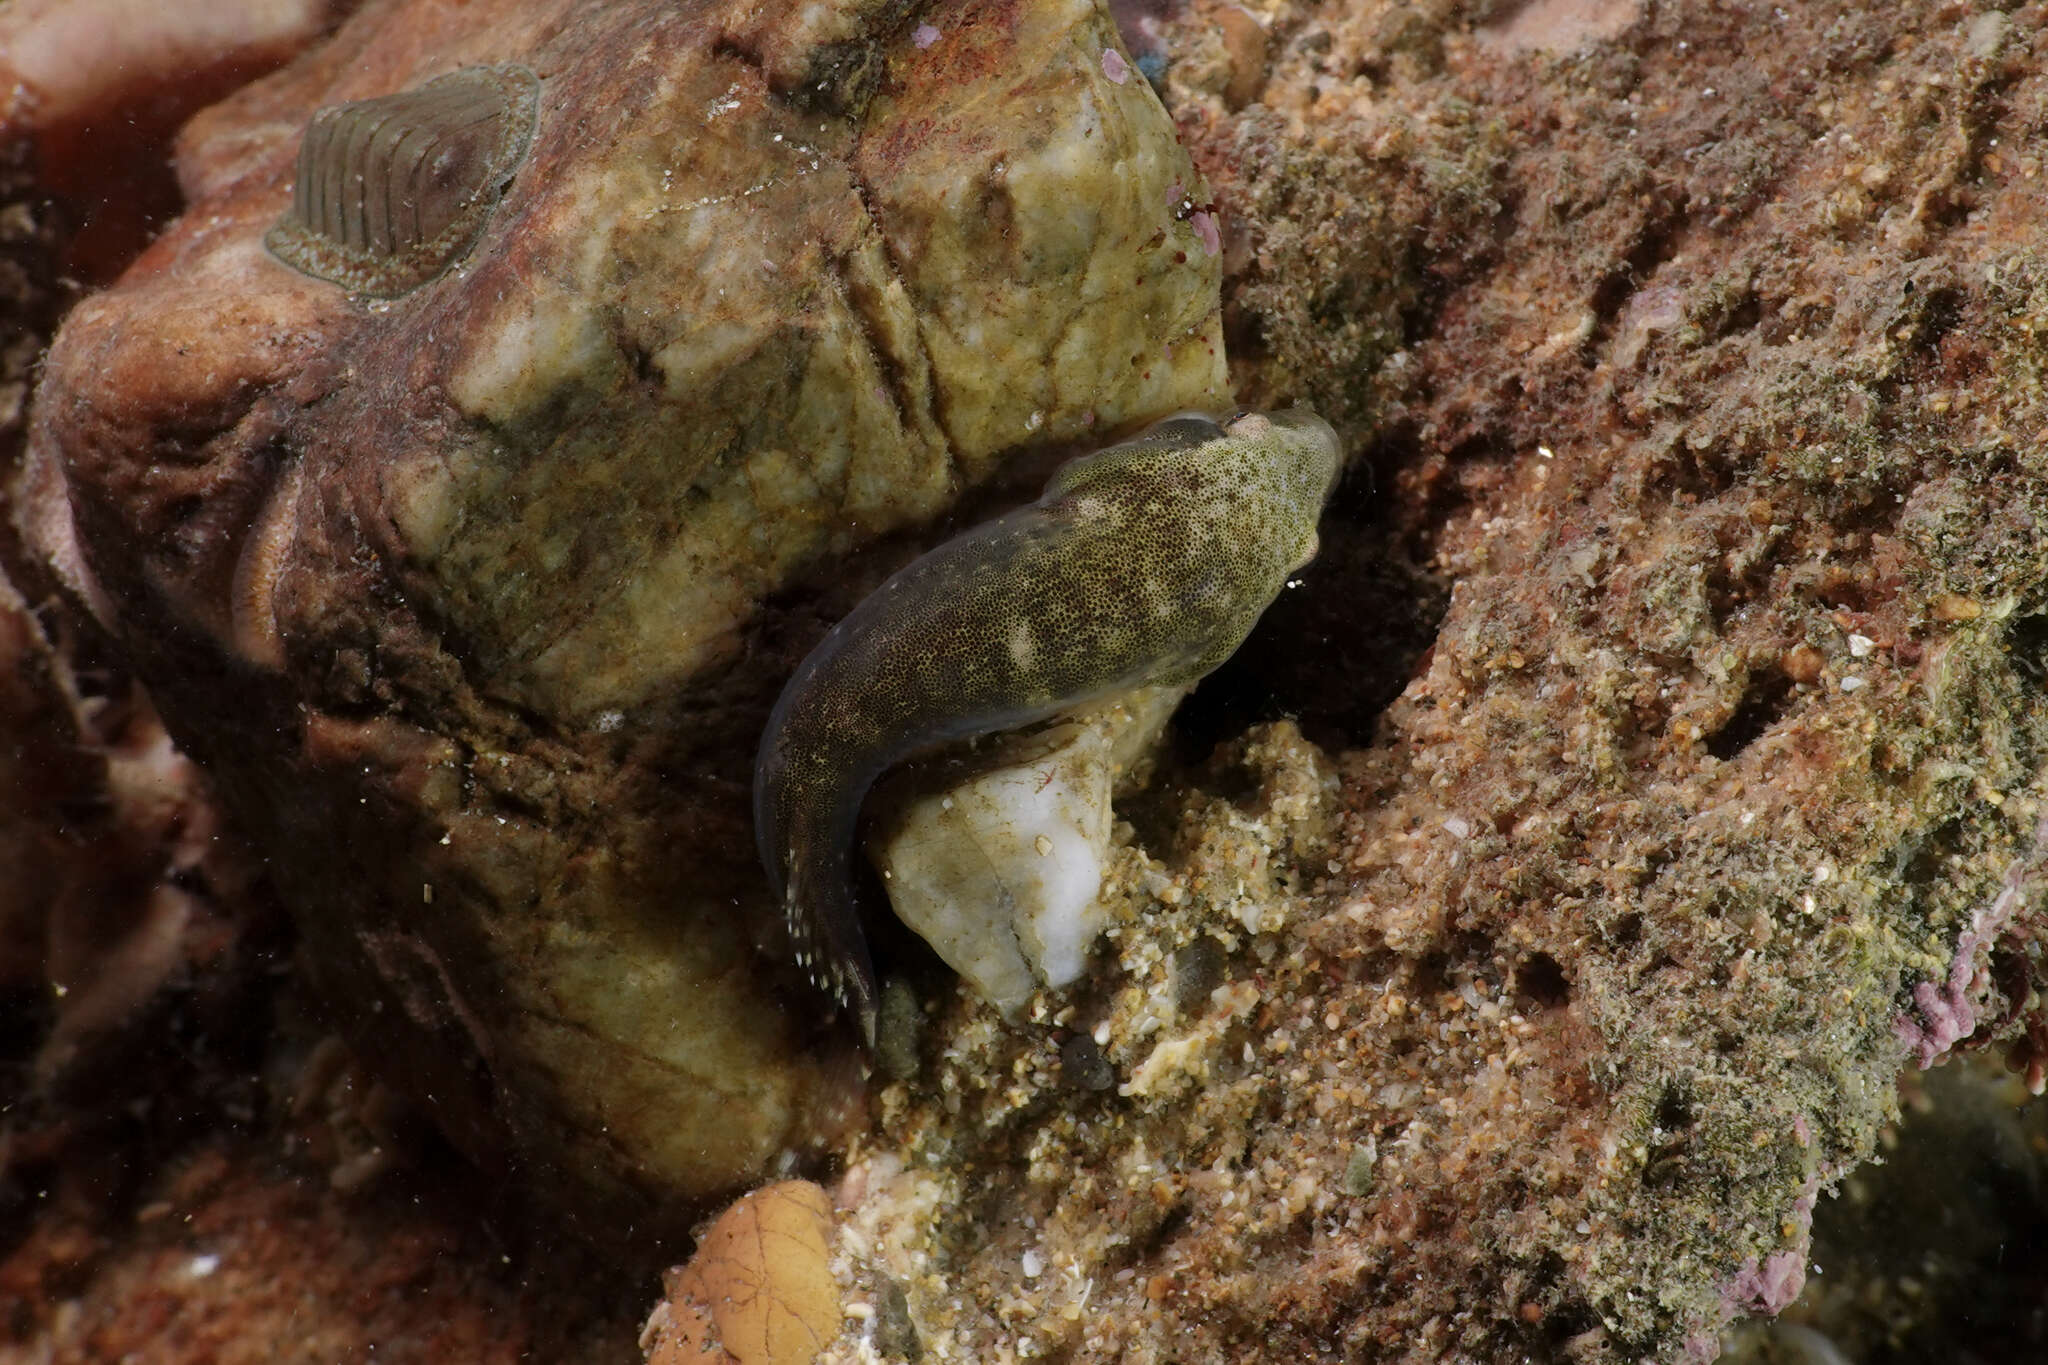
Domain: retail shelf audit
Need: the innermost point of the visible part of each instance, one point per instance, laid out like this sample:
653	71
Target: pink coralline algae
1769	1287
1948	1007
1114	66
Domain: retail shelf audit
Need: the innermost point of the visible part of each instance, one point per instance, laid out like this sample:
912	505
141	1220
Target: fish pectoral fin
826	935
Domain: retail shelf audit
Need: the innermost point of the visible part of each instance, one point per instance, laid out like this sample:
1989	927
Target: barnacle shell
392	191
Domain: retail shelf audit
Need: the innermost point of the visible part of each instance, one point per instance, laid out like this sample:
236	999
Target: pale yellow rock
510	565
783	334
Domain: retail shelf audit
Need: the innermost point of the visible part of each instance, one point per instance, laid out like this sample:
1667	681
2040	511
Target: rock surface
1700	345
462	592
1695	350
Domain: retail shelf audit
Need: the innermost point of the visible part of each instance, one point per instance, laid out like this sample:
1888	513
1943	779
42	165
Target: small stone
1358	1171
1986	35
1197	971
1951	606
895	1334
899	1023
1802	664
1082	1065
997	861
1244	46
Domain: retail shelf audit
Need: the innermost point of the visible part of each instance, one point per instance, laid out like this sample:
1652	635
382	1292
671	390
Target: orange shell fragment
759	1290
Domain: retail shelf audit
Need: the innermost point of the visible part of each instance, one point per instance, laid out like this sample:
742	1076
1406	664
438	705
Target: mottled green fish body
1146	563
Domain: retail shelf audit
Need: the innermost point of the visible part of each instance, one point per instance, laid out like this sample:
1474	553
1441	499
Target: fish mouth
1298	421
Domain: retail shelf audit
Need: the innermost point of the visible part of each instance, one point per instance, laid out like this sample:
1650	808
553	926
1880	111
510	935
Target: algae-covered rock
1700	349
462	590
1548	1011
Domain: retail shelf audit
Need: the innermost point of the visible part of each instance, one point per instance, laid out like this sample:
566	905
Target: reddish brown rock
1700	345
230	1262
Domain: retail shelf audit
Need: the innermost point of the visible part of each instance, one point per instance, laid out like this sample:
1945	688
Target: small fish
1146	563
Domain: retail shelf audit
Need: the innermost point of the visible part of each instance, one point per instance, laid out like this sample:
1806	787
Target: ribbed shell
392	191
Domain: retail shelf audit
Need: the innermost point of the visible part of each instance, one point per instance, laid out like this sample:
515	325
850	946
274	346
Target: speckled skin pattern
1146	563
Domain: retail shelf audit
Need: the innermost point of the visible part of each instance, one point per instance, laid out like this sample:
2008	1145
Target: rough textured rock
229	1260
461	593
136	945
1699	348
1964	1163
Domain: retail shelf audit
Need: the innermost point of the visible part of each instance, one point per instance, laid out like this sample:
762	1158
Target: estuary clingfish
1144	564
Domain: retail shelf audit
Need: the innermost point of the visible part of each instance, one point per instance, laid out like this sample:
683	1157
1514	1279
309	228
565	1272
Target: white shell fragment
998	864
